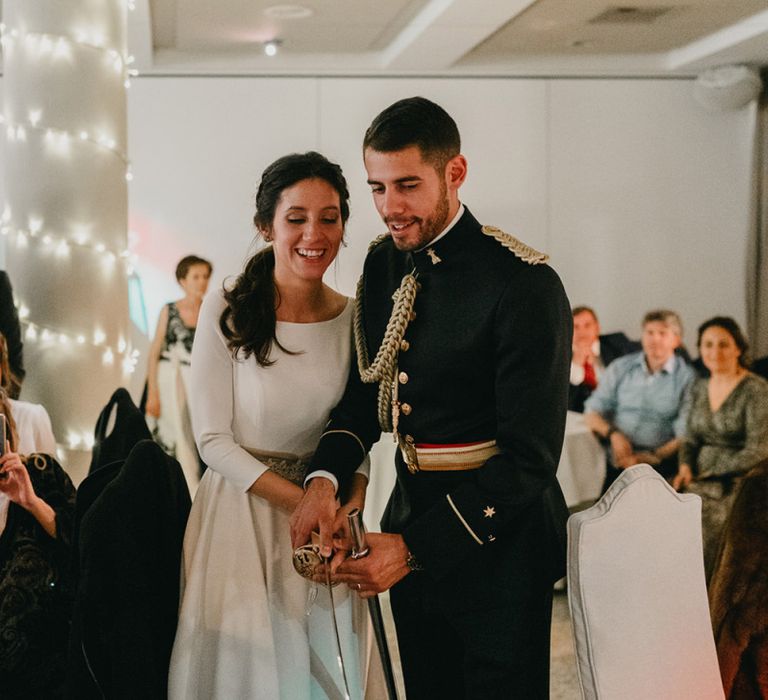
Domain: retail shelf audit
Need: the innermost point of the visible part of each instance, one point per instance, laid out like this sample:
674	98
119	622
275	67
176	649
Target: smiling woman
302	203
727	429
306	234
270	360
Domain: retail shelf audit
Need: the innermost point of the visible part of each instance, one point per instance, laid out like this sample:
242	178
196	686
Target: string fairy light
50	335
61	245
60	46
56	136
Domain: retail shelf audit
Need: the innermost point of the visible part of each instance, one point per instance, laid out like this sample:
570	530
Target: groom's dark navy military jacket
487	356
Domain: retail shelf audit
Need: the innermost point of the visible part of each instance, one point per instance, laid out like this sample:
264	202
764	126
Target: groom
473	535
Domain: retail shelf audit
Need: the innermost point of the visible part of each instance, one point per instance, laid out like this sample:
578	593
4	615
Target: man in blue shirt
640	406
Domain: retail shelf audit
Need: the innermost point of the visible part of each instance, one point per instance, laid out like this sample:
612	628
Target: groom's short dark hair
415	121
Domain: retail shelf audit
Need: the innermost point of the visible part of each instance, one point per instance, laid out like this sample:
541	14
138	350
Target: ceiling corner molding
721	46
446	30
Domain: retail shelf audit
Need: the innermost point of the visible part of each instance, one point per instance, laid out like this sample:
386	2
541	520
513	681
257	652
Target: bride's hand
316	511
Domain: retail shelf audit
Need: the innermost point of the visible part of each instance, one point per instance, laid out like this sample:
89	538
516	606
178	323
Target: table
581	471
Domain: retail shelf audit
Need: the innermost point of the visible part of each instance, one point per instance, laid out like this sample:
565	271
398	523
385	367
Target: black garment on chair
127	597
130	427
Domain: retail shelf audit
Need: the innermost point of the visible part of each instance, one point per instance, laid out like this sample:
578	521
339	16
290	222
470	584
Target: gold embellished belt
445	458
289	466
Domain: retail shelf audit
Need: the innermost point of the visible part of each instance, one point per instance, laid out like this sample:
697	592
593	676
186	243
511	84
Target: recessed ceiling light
271	47
288	12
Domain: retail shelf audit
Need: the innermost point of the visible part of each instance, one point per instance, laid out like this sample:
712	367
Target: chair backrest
637	594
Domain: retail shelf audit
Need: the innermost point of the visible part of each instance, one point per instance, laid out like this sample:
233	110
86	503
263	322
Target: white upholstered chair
637	594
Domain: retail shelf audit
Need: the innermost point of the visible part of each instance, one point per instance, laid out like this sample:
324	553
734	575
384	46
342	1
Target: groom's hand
316	511
381	569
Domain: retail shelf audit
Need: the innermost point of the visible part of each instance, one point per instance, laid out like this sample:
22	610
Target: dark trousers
478	634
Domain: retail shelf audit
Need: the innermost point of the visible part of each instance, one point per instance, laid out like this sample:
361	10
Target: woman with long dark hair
270	360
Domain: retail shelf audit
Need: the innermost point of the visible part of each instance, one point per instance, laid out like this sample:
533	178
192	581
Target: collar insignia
433	256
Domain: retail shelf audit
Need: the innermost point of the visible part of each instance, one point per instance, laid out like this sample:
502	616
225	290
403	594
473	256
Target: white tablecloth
581	470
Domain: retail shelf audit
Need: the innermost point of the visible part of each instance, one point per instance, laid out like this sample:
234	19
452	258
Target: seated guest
33	425
640	404
592	353
37	503
727	430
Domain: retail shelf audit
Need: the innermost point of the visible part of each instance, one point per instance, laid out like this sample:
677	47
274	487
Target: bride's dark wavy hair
249	321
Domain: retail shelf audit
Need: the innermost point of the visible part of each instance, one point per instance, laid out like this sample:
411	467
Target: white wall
638	194
649	201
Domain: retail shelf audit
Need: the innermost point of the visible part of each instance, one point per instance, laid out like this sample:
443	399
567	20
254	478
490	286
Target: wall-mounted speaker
727	87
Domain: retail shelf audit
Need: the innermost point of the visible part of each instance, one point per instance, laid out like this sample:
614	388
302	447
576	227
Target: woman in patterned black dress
37	503
727	432
167	397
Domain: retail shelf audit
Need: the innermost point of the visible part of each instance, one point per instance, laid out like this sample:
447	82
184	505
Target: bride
270	360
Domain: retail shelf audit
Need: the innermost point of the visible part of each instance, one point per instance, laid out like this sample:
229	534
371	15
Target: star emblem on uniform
433	256
489	512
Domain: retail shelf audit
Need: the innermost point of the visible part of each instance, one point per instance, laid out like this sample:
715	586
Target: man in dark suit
11	329
472	382
592	353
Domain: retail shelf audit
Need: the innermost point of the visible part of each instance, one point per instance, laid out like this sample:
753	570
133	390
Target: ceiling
447	37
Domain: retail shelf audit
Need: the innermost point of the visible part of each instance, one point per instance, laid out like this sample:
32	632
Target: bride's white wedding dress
244	632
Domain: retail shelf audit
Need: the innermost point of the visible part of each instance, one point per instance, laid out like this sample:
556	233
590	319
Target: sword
339	656
360	550
306	559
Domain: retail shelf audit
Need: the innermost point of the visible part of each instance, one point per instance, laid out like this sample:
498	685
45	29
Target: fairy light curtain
65	208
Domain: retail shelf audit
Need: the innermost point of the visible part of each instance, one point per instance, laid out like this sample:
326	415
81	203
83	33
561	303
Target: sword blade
339	655
359	550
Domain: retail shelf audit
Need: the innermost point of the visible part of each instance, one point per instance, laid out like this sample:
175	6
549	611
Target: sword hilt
357	533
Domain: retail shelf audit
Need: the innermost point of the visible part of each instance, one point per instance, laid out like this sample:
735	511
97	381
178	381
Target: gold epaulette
377	240
516	246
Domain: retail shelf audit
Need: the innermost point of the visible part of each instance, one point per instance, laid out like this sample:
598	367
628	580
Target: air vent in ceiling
628	14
